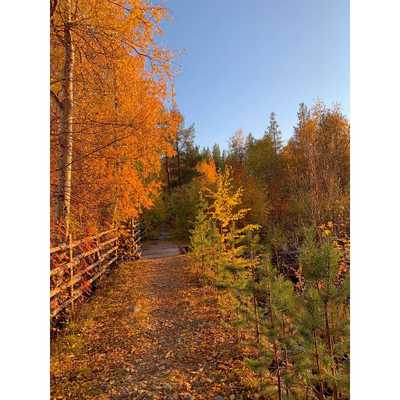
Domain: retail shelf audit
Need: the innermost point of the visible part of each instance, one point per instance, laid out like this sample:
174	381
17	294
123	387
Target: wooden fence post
71	272
133	233
117	249
70	278
98	247
135	239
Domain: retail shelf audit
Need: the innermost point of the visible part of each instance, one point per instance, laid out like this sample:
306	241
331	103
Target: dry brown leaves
149	332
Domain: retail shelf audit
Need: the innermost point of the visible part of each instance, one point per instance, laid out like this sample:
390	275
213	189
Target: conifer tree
217	157
226	212
203	239
250	141
303	114
274	133
325	312
223	231
275	310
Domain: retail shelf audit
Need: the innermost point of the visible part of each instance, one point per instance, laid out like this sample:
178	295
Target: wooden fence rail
76	265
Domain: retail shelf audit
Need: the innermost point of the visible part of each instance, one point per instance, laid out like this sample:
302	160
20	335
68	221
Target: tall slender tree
217	156
274	133
65	131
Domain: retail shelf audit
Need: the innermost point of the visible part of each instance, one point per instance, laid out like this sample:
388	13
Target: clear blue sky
244	59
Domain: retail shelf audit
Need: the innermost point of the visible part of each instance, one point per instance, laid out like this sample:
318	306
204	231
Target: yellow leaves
250	227
327	232
326	229
226	200
225	207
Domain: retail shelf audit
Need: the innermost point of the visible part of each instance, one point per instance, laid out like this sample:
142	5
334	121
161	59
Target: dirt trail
160	248
149	332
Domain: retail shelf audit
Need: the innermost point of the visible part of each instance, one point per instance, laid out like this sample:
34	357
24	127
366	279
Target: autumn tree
265	171
223	222
319	166
299	331
110	84
64	102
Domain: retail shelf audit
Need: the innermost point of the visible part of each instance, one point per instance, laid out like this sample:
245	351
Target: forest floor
150	331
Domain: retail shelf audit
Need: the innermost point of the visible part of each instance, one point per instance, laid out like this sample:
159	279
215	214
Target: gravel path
149	332
159	248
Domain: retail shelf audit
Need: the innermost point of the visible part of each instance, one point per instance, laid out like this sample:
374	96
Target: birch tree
112	97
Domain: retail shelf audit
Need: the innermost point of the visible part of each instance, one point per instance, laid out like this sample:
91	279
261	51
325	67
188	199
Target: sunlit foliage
121	82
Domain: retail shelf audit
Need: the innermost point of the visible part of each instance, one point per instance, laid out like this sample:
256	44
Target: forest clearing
181	270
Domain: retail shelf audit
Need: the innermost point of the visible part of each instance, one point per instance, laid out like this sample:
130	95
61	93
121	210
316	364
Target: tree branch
58	101
93	152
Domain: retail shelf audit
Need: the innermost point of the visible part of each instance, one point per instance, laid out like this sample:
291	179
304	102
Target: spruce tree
303	114
274	133
217	157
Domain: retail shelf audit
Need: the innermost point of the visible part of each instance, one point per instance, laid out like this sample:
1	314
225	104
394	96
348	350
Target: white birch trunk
63	202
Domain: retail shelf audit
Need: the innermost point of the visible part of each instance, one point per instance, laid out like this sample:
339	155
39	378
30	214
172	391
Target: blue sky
243	59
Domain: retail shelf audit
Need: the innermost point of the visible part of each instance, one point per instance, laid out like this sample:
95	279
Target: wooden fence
76	265
131	235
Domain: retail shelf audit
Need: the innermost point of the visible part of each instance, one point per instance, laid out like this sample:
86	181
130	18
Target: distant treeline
287	187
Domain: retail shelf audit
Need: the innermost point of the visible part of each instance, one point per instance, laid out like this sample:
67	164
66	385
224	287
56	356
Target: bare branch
58	101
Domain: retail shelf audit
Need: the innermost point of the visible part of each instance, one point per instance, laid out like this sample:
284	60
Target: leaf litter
150	331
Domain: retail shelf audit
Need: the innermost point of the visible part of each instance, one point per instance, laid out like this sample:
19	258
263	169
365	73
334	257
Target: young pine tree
275	309
324	322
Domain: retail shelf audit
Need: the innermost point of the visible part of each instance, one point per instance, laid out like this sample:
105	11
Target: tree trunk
63	201
276	356
321	393
329	341
178	157
167	171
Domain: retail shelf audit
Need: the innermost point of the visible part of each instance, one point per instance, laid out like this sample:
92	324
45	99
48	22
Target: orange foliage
121	122
208	171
